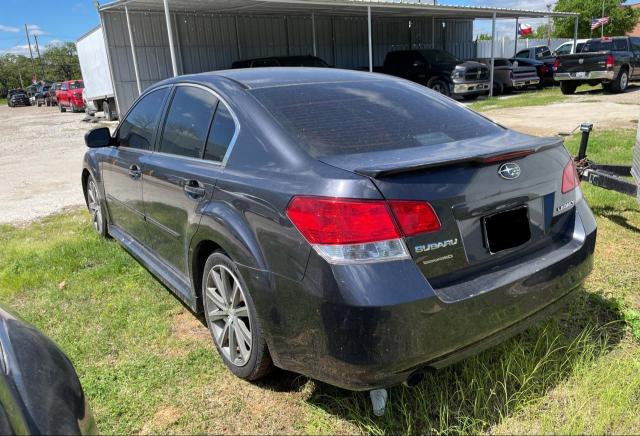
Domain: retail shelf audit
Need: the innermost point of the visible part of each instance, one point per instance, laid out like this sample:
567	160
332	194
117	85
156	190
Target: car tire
621	82
61	109
108	113
227	319
95	206
471	97
439	86
568	88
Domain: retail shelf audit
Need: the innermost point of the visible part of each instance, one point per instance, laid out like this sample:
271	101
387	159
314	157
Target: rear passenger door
181	174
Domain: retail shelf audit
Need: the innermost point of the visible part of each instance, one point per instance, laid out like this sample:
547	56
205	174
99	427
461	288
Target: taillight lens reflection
570	178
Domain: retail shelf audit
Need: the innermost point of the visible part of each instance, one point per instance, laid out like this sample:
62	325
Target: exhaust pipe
415	378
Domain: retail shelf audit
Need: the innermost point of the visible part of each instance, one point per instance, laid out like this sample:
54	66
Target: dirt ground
608	111
41	153
41	149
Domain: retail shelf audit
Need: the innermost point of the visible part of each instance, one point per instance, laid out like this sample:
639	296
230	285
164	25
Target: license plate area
506	230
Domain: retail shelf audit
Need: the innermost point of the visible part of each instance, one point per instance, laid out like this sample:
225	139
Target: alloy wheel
228	315
94	206
624	80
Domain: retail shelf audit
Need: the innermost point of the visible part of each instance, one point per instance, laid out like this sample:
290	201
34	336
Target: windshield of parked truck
438	56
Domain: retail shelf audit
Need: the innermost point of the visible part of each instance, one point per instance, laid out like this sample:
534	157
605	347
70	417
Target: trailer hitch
602	175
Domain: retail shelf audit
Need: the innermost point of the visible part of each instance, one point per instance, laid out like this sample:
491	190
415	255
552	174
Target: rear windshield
76	85
604	45
358	117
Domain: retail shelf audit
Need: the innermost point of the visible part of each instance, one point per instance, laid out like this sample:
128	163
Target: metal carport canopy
385	8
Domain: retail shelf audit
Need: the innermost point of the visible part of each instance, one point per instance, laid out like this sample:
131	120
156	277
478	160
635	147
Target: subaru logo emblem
509	171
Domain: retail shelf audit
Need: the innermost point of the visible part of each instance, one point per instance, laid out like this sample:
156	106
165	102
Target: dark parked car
281	61
612	62
540	53
507	76
52	99
440	71
544	72
17	97
353	227
39	389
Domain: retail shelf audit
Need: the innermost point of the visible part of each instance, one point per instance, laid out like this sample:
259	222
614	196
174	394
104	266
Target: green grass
3	101
606	146
147	365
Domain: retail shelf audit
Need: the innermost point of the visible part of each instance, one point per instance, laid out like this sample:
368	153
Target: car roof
256	78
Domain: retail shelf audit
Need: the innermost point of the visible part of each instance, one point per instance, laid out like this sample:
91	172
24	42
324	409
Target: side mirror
418	63
100	137
554	53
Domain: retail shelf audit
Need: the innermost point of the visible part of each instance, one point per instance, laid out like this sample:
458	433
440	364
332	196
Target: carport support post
515	41
493	45
369	38
172	49
575	34
313	34
133	50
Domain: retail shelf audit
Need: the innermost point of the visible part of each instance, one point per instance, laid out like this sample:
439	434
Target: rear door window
358	117
138	129
223	130
188	121
523	54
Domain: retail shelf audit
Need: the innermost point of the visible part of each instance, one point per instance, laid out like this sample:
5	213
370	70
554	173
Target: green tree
622	19
61	62
484	37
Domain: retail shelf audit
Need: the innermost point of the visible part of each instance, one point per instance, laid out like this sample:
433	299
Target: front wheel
568	88
440	86
232	320
95	207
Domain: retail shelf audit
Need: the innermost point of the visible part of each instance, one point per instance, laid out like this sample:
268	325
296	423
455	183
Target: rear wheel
108	111
232	320
568	88
621	82
440	86
61	108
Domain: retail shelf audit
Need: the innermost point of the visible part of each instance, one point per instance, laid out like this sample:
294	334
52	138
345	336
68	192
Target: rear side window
188	121
523	54
138	128
358	117
635	43
564	49
542	52
222	131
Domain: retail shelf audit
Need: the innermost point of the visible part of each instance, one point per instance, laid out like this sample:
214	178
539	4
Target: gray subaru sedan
353	227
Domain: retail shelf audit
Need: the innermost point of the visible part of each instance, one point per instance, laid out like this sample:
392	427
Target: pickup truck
508	75
69	96
440	71
612	62
567	48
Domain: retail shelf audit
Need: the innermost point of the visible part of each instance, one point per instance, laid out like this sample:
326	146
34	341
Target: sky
55	21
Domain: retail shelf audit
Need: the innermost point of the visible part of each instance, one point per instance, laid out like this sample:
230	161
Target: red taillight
333	221
570	178
342	221
556	64
609	63
415	217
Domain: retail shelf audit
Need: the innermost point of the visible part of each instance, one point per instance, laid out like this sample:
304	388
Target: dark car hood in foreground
39	390
471	150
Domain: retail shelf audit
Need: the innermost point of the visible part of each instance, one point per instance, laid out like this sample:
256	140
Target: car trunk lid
487	219
580	62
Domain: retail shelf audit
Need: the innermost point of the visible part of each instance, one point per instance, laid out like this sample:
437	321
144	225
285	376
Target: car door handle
134	171
194	189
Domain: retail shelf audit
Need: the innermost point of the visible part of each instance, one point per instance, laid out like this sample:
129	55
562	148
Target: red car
70	96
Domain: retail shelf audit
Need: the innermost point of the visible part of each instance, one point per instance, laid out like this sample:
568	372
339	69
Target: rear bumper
586	75
371	326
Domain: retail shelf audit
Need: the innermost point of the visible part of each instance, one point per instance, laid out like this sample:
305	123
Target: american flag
597	22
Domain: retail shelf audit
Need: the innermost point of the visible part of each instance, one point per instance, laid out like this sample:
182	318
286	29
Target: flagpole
602	27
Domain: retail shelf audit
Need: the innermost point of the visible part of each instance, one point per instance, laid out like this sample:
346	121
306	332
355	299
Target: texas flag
525	29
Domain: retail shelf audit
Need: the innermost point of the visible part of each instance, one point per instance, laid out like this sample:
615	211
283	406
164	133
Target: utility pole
39	57
20	76
33	67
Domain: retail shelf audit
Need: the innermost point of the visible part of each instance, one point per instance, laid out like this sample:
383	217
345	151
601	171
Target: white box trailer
94	65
